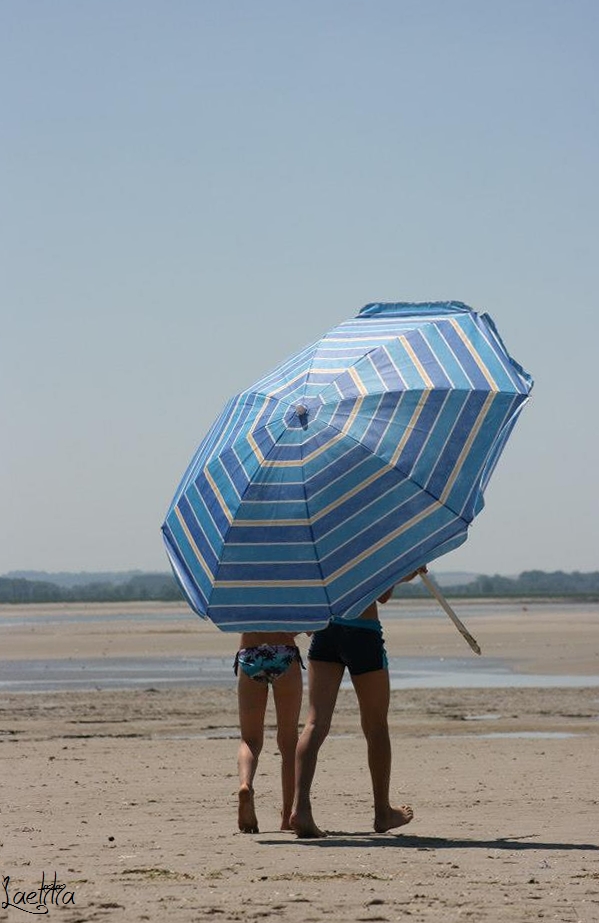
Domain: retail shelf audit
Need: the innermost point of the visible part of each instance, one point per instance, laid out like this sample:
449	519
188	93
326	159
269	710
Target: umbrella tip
301	410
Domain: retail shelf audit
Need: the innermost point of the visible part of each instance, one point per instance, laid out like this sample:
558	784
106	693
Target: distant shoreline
179	607
139	606
401	608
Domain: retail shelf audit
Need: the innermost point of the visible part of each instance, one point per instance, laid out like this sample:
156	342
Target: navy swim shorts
360	649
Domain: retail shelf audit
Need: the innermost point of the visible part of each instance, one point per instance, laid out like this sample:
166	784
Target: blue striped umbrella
352	464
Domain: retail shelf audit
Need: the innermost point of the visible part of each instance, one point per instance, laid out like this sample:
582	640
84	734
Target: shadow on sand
337	838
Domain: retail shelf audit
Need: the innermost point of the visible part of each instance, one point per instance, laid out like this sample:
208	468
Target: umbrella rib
400	471
313	537
241	498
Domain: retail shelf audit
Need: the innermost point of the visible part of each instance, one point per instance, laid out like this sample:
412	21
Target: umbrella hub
297	416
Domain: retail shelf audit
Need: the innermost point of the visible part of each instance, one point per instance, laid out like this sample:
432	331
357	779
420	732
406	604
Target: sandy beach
129	795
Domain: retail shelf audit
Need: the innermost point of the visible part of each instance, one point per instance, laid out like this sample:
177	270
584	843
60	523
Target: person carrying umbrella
358	645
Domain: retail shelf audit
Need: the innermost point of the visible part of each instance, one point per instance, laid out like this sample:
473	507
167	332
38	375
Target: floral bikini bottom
266	662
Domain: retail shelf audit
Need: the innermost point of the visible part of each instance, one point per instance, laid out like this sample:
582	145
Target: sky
192	191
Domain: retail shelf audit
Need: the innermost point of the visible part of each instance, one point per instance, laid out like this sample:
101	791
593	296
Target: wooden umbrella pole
436	592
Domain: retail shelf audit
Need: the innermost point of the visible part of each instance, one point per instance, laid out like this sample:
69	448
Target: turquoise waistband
372	624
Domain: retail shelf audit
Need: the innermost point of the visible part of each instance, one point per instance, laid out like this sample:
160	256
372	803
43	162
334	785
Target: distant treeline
141	587
528	583
163	587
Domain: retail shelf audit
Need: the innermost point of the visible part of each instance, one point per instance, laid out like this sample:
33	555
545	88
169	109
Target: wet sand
130	796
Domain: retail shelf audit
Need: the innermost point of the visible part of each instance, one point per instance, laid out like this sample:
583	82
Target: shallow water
465	672
521	735
473	673
164	672
227	733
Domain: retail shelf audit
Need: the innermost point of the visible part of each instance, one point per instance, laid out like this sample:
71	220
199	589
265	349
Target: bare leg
324	680
252	697
373	694
287	691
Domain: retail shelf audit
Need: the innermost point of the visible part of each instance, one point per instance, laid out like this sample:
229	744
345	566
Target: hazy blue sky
190	191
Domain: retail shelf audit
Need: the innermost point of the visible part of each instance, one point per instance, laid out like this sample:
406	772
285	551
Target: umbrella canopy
352	464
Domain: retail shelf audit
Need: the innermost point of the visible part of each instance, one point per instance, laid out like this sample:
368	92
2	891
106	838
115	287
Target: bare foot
246	816
305	827
393	817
